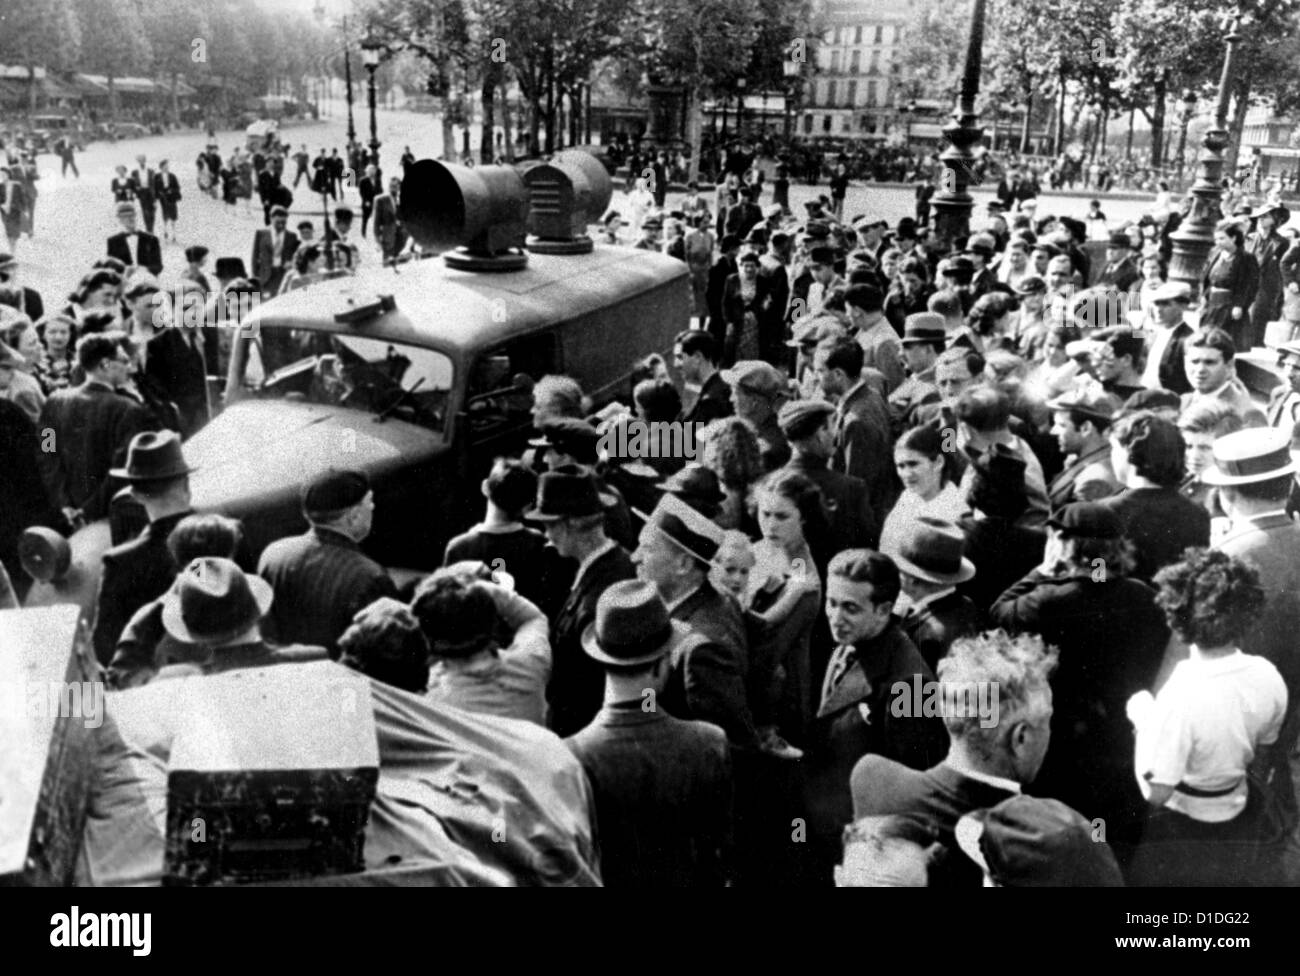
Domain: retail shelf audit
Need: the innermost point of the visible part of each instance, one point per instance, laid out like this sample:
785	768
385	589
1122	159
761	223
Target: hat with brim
1251	455
1267	208
153	456
125	207
933	550
214	601
568	492
1026	841
923	327
686	528
1286	348
632	626
7	261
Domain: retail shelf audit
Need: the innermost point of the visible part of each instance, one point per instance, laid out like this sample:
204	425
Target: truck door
499	400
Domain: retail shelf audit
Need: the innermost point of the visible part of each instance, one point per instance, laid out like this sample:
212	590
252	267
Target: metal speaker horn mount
478	215
566	195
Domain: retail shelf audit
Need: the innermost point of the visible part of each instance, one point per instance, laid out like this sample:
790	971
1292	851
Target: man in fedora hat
1283	408
134	247
807	425
572	441
214	607
662	784
572	511
1112	638
707	678
141	570
322	578
1164	367
931	564
1254	473
1121	270
1080	421
1268	246
924	339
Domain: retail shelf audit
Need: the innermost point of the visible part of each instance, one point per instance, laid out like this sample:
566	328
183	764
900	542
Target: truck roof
462	311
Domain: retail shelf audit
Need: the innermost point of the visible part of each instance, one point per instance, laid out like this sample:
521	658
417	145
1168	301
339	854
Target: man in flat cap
132	246
662	784
707	678
273	251
1164	367
322	578
809	427
1081	422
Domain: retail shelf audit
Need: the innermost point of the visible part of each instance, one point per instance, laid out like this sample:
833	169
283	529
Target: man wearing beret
322	578
134	247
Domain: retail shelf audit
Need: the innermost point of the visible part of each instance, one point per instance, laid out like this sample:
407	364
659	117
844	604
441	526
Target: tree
115	42
38	34
932	53
172	28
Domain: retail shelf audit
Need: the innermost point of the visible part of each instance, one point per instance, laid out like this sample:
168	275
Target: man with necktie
273	250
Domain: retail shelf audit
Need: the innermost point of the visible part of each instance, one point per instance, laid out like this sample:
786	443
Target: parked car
46	130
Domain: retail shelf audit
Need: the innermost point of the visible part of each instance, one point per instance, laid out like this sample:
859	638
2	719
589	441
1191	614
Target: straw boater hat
1251	455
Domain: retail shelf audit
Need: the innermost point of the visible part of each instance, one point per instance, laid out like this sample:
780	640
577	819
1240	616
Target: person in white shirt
1199	737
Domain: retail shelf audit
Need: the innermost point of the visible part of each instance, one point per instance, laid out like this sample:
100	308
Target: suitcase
50	702
271	777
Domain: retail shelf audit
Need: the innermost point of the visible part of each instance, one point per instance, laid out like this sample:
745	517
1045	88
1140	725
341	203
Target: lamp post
740	108
1195	236
1188	106
371	54
790	70
953	203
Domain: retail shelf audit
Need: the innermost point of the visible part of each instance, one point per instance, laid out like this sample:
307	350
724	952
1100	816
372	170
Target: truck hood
257	452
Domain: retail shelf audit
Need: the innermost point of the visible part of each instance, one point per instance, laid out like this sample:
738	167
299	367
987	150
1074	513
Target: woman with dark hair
908	293
121	185
930	485
58	336
1141	294
732	452
749	308
1229	285
987	323
1001	550
656	401
1211	723
1148	456
784	598
98	291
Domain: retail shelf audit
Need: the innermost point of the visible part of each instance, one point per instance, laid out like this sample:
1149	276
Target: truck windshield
362	373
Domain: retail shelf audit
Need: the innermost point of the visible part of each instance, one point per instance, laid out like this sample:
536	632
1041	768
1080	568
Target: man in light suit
662	785
134	247
389	231
273	251
143	181
986	764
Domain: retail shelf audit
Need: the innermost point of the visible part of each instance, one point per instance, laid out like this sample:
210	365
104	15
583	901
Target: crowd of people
979	541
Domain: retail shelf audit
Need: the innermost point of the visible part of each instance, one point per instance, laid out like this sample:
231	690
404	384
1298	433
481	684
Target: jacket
578	682
1087	478
92	425
662	792
321	579
134	573
713	402
1160	523
708	677
847	503
863	446
388	226
1002	552
263	262
937	624
150	252
1267	252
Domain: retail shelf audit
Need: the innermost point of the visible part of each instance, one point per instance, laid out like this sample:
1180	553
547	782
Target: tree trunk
1024	128
176	102
488	130
507	120
1128	148
695	132
1158	123
1060	113
1237	124
550	112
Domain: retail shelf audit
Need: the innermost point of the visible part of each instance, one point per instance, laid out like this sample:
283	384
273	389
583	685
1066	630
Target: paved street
74	217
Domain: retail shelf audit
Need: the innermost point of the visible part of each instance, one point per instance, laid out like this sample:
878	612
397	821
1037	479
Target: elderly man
92	425
464	616
322	578
854	717
1080	421
662	784
572	509
707	677
141	570
987	761
133	247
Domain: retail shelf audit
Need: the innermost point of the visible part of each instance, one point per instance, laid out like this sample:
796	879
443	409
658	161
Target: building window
857	35
873	68
855	63
853	93
847	125
880	33
872	92
826	123
807	125
830	93
835	62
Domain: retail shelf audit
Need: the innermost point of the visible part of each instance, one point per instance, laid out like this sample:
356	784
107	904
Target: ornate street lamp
372	52
953	203
1195	236
790	69
740	108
